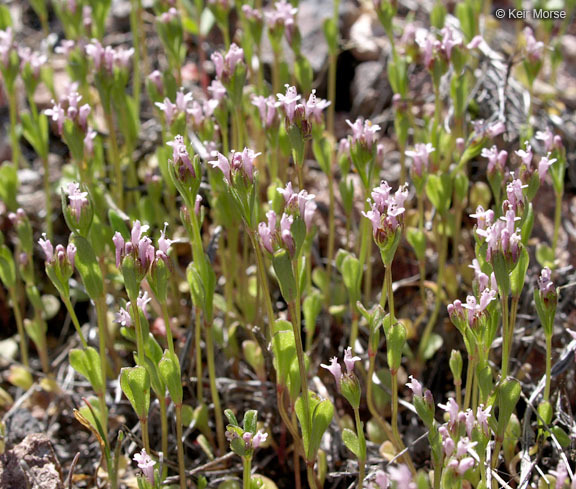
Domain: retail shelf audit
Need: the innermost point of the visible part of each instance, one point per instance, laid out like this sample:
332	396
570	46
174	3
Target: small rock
569	47
31	464
367	38
371	91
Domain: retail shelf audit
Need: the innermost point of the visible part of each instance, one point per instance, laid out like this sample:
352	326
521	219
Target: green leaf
350	439
507	396
417	240
169	368
135	383
434	344
250	419
7	267
396	338
331	34
88	268
518	275
321	418
87	363
545	256
9	185
439	191
231	418
282	264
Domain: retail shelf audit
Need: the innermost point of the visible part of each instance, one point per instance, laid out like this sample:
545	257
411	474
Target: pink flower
451	407
526	156
335	369
78	200
224	165
496	159
402	476
415	386
57	114
286	233
349	360
180	155
381	479
363	132
483	218
218	61
71	253
156	78
543	165
234	56
118	241
266	231
314	107
545	283
420	157
533	48
217	90
289	102
89	142
258	439
47	248
146	465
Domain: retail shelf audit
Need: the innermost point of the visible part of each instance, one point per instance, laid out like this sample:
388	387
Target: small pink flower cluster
78	200
282	15
400	475
420	156
544	164
502	235
363	132
124	317
336	370
267	107
225	65
108	58
181	159
301	203
69	108
545	284
6	46
386	211
431	47
32	59
474	308
146	465
240	163
141	247
254	441
308	112
60	253
534	48
496	159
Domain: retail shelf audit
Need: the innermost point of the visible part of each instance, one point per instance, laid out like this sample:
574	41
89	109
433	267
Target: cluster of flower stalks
210	257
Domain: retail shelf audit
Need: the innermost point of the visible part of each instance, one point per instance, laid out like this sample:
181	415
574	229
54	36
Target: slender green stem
214	388
47	198
164	427
102	335
295	314
557	219
394	419
136	28
114	157
469	381
138	330
548	367
441	239
145	436
331	92
331	235
20	327
276	73
166	316
505	336
362	443
14	139
354	329
263	279
197	346
389	291
246	474
181	467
